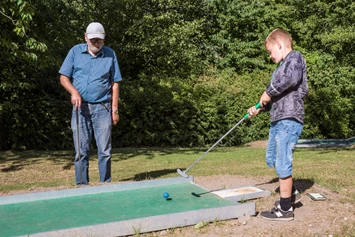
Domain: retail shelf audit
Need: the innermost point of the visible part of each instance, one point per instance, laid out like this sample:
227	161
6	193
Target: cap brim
92	36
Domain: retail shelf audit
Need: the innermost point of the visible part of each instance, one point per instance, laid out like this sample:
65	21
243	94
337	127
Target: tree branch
13	21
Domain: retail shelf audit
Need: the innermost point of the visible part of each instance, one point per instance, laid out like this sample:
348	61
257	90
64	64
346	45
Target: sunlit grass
21	171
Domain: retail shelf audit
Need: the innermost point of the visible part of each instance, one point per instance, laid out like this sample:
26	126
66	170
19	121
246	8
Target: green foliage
31	106
158	37
191	68
331	98
195	112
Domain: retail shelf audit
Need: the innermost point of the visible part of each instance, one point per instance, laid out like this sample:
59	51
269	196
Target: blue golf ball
166	195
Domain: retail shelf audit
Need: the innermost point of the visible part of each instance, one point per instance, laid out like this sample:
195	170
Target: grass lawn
24	171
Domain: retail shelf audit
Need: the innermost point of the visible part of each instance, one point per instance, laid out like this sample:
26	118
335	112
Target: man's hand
76	99
115	118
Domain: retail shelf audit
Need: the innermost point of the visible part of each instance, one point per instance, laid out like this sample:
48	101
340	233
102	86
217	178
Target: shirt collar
84	49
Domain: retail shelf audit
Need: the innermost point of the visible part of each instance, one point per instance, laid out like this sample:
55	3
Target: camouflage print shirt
288	88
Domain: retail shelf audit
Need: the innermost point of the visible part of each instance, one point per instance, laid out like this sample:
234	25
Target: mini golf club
183	173
79	144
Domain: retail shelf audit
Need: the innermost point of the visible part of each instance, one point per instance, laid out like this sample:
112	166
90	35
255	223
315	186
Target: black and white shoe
277	214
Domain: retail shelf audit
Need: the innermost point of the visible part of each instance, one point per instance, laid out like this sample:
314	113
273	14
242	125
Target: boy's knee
283	173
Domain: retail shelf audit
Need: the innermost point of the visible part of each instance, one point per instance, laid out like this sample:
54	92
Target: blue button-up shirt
92	75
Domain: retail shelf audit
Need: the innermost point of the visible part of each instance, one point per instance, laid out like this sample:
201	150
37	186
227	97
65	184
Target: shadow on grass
14	161
300	184
18	160
150	175
303	184
152	152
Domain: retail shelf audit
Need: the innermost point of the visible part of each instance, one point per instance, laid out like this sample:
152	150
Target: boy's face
274	48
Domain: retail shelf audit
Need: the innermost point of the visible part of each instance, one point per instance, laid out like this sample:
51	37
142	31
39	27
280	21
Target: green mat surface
27	218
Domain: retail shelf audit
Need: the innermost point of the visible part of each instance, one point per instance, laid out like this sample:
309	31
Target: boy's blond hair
280	35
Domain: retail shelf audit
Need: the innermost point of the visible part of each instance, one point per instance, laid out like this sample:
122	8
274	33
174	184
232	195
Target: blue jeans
93	119
283	136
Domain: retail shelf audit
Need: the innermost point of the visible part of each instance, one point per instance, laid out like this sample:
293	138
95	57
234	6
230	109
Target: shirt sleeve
116	70
68	65
289	76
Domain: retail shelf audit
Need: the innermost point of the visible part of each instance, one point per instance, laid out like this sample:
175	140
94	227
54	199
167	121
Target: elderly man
90	73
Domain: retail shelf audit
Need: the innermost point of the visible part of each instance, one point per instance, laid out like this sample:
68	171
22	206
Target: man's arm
115	98
68	86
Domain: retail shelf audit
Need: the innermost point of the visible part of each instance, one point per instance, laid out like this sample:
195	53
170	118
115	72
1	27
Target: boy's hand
252	111
264	99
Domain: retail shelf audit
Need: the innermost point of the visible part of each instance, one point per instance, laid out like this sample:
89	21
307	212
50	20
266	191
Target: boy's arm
289	77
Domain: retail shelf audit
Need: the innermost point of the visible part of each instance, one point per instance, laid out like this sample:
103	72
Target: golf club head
182	173
195	194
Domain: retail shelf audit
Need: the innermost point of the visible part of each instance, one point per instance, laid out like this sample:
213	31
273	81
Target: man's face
274	50
94	45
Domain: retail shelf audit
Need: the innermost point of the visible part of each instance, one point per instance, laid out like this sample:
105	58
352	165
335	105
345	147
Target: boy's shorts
283	136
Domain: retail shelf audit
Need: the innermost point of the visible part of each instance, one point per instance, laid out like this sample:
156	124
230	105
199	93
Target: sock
285	203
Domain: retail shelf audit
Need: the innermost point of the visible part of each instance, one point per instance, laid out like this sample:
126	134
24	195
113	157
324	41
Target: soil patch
312	218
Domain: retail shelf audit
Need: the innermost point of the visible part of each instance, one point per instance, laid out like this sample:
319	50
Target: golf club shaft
257	106
230	130
78	142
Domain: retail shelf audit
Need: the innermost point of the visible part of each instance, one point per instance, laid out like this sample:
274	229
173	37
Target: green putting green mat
26	218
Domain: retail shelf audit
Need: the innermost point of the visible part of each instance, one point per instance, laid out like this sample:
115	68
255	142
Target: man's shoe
277	214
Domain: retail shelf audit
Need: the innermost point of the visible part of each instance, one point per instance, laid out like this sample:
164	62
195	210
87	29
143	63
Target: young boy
284	98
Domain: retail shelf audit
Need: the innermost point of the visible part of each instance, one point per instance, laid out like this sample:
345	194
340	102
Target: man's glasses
95	40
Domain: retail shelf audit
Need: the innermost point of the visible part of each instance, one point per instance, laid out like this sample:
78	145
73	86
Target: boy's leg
271	159
287	134
285	192
270	156
286	187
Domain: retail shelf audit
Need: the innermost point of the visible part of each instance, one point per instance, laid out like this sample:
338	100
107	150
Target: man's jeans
283	136
97	119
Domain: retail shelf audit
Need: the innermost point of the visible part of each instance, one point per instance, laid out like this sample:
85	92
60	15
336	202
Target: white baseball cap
95	30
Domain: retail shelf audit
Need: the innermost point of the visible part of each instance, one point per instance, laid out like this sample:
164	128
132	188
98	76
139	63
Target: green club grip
257	106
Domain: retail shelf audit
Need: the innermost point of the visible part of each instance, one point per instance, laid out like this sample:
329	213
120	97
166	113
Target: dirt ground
312	218
329	218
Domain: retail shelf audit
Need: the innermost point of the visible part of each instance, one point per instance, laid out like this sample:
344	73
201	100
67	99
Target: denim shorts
283	136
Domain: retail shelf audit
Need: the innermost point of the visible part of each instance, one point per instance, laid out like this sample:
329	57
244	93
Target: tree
19	54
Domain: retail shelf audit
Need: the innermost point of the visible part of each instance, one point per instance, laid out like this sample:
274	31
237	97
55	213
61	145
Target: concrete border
155	223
